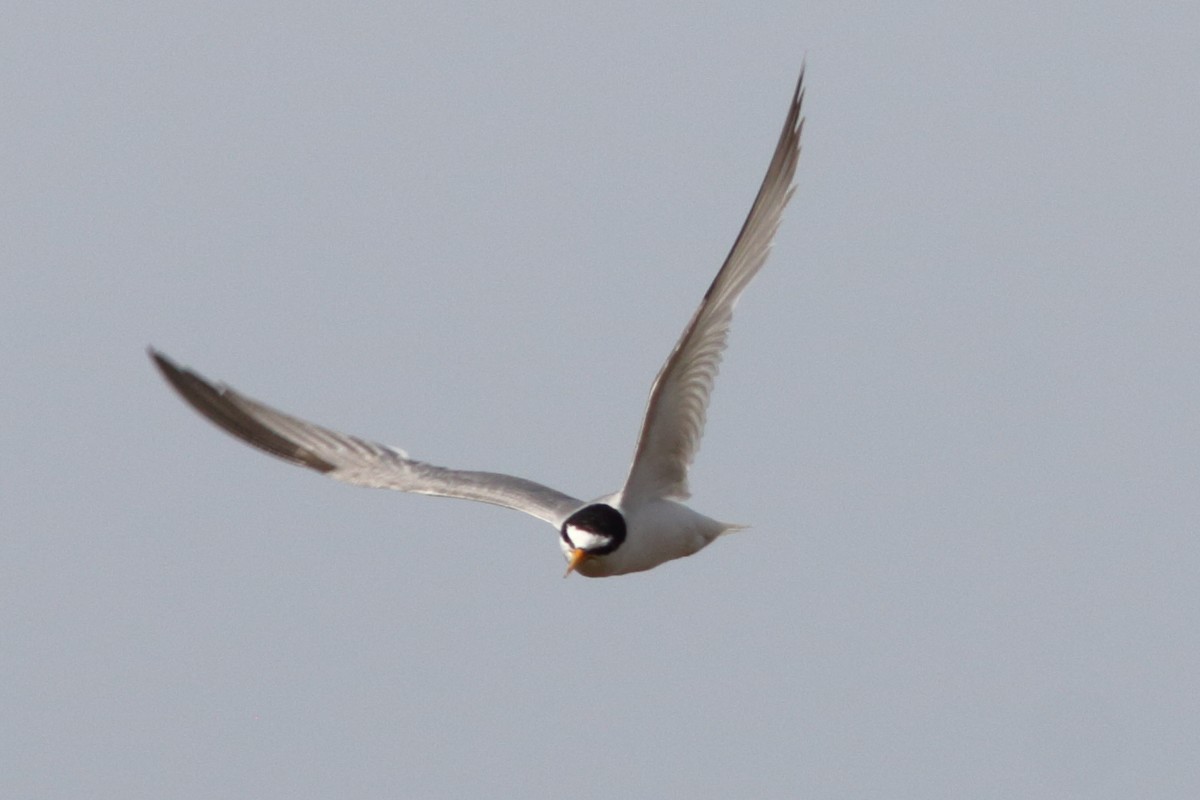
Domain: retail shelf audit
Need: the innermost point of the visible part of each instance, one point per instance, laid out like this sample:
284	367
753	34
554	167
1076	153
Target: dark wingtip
175	375
219	405
165	365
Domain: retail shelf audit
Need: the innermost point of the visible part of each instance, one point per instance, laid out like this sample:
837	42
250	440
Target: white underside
656	531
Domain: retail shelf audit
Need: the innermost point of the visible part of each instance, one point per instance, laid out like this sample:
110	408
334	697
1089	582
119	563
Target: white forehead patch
585	539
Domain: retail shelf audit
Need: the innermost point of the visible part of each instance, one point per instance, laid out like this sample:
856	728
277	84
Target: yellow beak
577	557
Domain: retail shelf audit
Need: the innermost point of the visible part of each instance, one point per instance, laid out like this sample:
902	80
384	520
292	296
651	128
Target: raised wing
354	460
678	404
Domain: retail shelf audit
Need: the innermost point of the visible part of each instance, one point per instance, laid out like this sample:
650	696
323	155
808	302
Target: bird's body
636	528
658	530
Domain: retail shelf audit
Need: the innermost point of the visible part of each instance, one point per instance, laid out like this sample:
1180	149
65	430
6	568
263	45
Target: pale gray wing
354	460
678	403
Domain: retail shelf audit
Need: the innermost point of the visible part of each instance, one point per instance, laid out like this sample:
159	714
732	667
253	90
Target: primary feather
353	460
678	405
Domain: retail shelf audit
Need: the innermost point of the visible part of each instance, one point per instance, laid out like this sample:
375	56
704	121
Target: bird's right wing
678	404
354	460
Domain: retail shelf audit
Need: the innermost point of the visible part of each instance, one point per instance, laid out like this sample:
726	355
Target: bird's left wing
354	460
678	403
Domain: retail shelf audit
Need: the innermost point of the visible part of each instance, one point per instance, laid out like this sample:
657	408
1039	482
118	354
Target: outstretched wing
675	415
354	460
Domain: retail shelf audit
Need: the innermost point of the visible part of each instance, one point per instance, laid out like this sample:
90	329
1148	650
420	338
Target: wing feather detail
678	405
351	459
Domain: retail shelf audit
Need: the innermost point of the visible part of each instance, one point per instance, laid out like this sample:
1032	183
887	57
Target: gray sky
958	409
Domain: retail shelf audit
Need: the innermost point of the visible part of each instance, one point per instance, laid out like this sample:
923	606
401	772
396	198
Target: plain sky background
959	409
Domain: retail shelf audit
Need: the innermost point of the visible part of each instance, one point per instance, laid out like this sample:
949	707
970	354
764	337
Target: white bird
634	529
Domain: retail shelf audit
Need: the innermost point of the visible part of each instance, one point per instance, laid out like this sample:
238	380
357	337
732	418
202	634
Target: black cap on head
603	523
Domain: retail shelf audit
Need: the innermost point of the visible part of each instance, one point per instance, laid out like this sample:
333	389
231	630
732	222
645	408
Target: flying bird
642	525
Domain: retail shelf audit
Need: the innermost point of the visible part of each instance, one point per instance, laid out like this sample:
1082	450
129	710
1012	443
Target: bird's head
592	531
